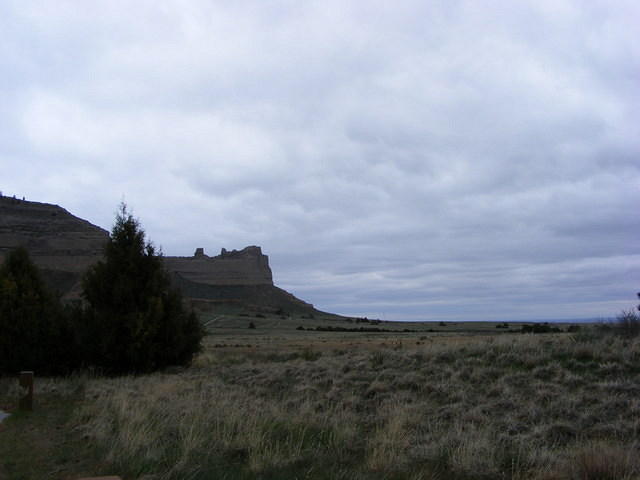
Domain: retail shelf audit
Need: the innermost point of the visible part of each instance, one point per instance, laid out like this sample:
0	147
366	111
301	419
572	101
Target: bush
134	320
628	324
35	330
310	355
540	328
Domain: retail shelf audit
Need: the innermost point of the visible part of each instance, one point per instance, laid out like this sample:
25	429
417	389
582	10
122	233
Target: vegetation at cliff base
132	319
34	328
135	320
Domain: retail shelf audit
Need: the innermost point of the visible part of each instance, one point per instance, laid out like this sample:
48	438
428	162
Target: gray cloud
425	160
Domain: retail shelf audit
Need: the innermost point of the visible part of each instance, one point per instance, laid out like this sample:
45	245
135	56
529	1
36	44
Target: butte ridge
63	246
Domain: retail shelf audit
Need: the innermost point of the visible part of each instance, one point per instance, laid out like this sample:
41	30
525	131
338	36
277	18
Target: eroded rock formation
64	246
248	266
55	239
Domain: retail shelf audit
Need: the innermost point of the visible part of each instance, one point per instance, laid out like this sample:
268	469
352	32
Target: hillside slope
64	246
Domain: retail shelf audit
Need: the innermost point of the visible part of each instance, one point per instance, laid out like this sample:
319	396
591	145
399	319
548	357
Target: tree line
130	319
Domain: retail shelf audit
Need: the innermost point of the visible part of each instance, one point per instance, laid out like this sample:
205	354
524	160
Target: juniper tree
135	320
34	330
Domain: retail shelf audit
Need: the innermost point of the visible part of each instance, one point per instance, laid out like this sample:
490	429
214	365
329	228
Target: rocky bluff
64	246
55	239
61	245
248	266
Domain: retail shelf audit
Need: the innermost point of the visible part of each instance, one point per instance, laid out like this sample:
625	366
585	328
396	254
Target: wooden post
26	383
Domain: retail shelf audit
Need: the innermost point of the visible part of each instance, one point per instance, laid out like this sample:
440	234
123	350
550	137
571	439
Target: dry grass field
277	403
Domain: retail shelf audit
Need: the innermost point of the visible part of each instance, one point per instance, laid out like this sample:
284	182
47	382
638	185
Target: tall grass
198	427
512	407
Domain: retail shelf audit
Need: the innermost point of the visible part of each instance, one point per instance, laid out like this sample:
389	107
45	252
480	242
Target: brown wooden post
26	383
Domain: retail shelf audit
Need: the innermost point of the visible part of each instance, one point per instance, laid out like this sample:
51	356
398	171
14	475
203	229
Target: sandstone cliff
55	239
248	266
64	246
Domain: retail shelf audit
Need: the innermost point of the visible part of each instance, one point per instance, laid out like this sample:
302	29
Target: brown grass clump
193	427
598	461
605	462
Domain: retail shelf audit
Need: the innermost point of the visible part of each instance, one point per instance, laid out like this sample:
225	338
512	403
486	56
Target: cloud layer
421	160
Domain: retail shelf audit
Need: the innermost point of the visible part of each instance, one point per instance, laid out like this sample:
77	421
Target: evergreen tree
135	321
35	333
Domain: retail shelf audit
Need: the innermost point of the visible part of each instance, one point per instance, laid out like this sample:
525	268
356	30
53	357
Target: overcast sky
436	160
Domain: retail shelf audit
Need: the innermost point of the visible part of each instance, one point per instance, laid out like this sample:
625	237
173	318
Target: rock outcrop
64	246
55	239
248	266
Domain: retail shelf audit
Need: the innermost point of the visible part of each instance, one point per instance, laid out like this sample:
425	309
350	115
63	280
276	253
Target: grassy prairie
274	402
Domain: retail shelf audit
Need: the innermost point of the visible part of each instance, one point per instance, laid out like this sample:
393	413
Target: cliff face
55	239
59	241
248	266
64	246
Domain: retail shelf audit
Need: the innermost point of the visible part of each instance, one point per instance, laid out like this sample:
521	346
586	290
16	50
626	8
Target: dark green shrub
35	331
135	321
540	328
